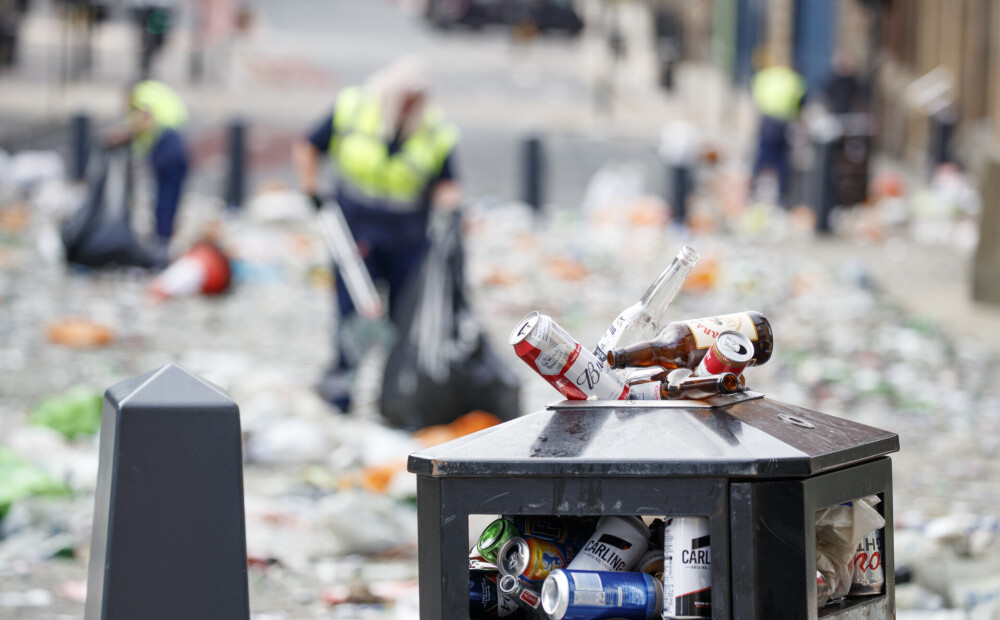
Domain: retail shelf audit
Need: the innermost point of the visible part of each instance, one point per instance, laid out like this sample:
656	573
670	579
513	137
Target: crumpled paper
839	529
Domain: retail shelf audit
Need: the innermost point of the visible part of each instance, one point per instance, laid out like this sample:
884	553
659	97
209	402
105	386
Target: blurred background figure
394	158
156	117
778	92
153	18
844	93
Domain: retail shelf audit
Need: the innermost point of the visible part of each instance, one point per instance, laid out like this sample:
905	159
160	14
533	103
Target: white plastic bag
839	529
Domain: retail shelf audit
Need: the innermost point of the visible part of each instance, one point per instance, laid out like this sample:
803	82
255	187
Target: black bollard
169	538
236	180
681	186
824	194
533	171
79	142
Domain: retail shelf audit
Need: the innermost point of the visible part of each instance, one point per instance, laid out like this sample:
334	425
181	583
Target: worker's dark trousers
170	167
394	267
773	152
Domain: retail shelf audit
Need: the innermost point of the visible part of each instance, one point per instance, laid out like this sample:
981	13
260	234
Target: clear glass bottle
641	320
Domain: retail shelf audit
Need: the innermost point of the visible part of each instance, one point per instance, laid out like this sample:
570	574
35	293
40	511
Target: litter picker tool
345	254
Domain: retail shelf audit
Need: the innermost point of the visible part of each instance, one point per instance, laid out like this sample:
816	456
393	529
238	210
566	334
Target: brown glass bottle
682	344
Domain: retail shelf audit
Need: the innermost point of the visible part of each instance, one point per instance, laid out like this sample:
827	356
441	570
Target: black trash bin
758	469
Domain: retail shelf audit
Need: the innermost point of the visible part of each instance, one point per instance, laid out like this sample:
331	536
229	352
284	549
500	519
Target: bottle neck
662	291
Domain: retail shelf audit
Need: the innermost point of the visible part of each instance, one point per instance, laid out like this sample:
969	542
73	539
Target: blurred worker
155	119
394	158
843	91
778	92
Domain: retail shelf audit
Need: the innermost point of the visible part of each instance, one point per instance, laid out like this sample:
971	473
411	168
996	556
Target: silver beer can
869	574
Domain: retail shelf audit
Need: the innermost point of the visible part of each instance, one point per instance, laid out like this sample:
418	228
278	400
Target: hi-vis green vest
361	157
778	91
162	104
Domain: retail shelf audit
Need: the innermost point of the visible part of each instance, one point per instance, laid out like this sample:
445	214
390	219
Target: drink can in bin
530	559
601	595
687	568
617	545
869	574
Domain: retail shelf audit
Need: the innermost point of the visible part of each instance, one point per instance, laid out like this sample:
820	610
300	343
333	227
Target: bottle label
707	329
614	333
645	391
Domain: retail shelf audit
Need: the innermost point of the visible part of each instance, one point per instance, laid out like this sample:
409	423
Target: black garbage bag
442	365
99	233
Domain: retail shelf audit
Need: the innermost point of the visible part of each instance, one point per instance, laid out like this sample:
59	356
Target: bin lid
742	436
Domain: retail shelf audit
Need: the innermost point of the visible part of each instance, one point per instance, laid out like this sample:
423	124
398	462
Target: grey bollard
79	137
236	181
169	538
533	169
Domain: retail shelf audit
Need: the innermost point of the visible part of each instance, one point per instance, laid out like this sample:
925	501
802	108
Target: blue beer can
600	595
485	599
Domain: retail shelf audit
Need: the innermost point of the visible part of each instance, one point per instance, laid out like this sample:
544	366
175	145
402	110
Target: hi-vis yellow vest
777	91
162	104
361	157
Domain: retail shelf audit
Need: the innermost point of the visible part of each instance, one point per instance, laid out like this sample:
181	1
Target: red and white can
869	574
731	352
563	362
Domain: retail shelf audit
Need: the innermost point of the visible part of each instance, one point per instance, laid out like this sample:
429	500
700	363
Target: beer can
617	545
494	536
485	598
563	362
687	568
731	352
651	563
569	533
531	559
601	595
515	590
869	574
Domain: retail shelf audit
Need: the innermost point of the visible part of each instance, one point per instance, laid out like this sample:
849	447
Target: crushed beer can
563	362
869	574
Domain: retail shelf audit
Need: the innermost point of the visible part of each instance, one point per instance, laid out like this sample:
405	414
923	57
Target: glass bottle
682	344
641	320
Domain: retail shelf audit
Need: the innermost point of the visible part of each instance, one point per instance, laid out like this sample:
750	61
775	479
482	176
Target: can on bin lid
731	352
563	362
